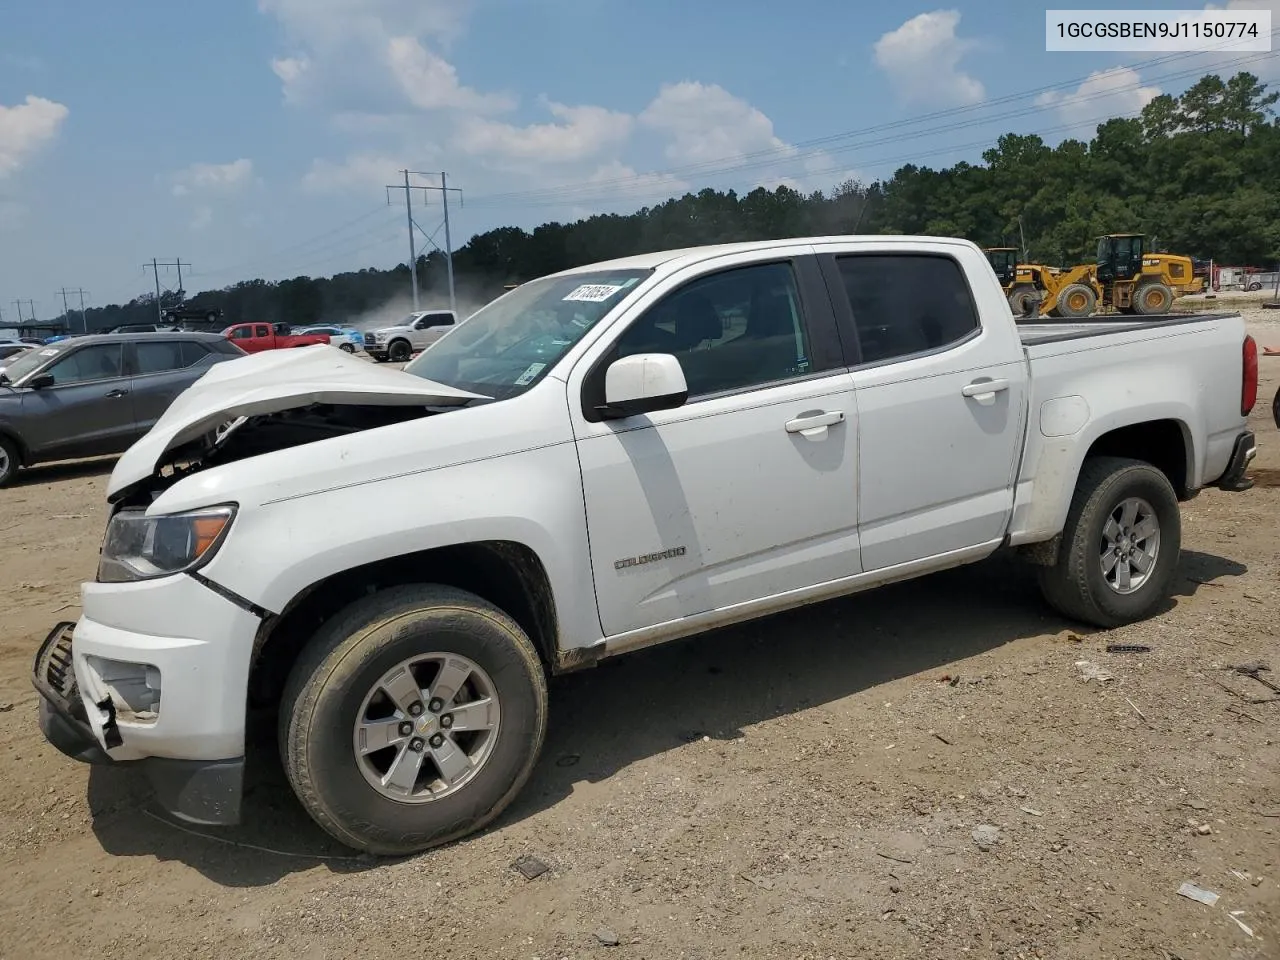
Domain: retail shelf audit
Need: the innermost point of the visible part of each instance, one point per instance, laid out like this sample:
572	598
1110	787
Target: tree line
1198	174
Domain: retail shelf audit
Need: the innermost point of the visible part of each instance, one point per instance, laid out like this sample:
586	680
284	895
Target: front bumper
1242	455
198	791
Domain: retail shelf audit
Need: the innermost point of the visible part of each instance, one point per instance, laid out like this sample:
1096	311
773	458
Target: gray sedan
95	395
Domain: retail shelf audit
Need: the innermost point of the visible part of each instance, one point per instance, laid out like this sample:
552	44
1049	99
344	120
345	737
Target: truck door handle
117	394
982	389
815	425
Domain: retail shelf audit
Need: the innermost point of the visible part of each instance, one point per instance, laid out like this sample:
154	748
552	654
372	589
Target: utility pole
155	270
66	311
408	212
29	303
445	190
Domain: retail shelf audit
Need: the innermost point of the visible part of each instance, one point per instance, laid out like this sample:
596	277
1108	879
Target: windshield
19	367
507	346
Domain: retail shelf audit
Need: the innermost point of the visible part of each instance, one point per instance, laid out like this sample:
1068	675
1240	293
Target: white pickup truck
599	460
411	335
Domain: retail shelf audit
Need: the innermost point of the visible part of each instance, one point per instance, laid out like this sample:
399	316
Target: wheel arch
24	453
506	573
1161	438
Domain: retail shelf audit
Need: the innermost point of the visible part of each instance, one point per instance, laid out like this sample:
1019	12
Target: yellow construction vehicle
1135	281
1059	293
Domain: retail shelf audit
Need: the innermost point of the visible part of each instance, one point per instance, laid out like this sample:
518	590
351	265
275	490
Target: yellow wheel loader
1134	281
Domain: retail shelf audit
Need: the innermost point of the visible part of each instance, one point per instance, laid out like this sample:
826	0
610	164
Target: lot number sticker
533	370
593	292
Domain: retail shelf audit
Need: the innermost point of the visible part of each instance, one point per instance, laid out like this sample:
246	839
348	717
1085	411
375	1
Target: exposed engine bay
254	436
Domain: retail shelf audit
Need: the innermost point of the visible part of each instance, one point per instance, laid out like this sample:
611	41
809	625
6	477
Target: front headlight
138	547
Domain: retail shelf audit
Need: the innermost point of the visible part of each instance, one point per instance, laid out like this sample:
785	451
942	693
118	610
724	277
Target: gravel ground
917	772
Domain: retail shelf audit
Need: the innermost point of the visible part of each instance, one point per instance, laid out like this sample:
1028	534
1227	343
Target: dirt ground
809	786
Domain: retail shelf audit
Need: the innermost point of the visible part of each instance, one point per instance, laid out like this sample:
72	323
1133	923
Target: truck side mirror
643	383
40	381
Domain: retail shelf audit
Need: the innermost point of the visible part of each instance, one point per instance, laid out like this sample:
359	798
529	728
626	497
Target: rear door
941	400
162	369
87	411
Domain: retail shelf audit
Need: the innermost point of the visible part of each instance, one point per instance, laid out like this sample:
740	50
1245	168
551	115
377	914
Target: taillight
1249	381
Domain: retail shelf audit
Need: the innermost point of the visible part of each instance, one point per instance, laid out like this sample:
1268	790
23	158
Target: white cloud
582	133
292	72
922	59
705	122
366	173
373	55
1117	92
202	217
429	82
223	178
707	126
25	128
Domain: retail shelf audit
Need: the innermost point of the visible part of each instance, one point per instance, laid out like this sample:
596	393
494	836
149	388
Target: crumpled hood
270	382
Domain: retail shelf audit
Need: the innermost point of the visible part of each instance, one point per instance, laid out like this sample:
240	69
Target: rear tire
1152	299
1080	586
1076	301
9	461
331	704
399	351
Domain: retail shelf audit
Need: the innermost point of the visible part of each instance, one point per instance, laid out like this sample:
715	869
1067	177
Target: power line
803	150
274	254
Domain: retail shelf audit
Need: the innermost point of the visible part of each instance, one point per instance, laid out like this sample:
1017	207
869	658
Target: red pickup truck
255	337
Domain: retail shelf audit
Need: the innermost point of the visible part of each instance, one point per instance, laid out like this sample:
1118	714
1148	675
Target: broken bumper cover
193	647
198	791
1242	455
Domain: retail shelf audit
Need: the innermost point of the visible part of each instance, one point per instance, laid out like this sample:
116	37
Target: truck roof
684	256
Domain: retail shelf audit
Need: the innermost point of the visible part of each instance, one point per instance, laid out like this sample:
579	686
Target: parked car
603	459
413	334
10	352
256	337
346	339
94	395
136	328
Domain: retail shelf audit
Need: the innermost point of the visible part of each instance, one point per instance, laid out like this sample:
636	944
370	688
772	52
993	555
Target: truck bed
1057	331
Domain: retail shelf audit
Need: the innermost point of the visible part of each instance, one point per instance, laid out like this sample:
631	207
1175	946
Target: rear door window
159	356
905	304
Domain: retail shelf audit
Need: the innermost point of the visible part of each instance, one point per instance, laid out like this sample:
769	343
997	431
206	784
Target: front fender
279	549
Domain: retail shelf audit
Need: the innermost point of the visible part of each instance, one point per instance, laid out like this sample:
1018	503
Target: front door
749	489
87	410
941	404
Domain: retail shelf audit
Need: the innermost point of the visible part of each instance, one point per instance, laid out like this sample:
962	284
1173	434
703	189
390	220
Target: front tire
346	348
1076	301
1120	545
399	351
452	670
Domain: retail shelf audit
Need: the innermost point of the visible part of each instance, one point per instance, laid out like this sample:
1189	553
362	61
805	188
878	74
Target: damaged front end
264	403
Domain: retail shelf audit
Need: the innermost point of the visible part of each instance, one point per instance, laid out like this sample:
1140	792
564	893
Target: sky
255	139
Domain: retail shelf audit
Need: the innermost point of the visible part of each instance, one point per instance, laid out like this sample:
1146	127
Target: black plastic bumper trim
1242	455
